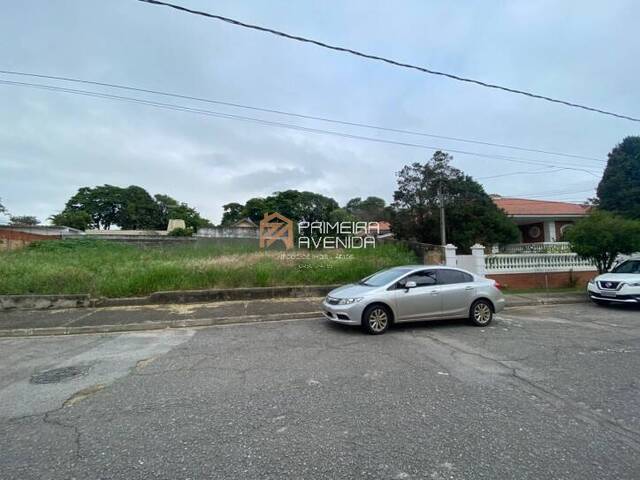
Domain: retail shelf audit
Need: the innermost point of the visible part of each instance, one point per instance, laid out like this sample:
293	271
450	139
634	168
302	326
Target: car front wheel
376	319
481	313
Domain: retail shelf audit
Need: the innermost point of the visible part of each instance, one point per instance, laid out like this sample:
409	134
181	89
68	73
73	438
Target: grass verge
109	269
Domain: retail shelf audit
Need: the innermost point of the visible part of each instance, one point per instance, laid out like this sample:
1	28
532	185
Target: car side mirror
409	285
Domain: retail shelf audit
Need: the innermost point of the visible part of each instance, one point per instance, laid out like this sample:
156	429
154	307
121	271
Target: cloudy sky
52	143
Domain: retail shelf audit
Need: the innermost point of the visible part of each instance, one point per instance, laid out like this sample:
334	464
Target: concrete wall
228	232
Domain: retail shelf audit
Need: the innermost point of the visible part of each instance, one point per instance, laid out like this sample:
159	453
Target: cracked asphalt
544	392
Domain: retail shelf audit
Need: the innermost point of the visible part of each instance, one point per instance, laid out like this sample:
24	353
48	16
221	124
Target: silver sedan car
411	293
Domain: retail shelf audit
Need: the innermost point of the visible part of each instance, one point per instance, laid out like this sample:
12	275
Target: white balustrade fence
539	247
536	262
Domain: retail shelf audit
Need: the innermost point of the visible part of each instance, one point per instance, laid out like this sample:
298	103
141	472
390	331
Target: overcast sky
53	143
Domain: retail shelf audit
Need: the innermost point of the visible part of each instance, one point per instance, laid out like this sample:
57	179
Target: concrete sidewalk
150	317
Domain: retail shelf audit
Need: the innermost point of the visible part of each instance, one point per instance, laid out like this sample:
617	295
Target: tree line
130	208
306	206
471	215
613	227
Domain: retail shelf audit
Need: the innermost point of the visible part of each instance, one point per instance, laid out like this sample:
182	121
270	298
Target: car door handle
435	292
468	288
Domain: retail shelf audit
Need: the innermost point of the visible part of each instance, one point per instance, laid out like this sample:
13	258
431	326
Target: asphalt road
544	392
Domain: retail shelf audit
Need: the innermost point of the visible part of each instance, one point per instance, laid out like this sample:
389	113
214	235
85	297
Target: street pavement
158	316
543	392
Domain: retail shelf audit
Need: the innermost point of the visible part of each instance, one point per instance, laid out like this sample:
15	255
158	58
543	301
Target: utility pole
443	235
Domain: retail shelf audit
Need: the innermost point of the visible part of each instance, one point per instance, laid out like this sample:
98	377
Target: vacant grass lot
110	269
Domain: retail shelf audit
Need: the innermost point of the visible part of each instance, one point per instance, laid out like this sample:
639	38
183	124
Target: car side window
423	278
447	277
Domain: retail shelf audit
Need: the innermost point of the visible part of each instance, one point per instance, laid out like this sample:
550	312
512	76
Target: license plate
608	294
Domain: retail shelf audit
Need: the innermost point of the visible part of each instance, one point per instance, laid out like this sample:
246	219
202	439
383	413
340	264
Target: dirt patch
82	394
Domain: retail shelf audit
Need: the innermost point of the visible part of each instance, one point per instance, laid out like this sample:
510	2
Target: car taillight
497	284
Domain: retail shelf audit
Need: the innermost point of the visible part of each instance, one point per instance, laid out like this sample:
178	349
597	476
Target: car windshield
385	276
631	266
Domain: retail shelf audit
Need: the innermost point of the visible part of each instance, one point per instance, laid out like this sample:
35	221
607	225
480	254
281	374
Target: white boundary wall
482	264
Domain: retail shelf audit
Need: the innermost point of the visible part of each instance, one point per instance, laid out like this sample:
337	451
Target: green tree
602	236
619	189
170	208
2	208
371	209
293	204
298	206
340	215
24	220
138	210
103	204
471	216
255	208
232	212
130	208
74	219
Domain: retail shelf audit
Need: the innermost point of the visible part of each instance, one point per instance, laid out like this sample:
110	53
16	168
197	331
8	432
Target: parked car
620	285
414	292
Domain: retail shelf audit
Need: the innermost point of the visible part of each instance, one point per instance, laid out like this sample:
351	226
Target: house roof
523	206
245	220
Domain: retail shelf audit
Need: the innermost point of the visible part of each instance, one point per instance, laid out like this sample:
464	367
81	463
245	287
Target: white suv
621	285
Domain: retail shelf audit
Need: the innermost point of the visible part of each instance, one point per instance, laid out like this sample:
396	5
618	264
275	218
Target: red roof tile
521	206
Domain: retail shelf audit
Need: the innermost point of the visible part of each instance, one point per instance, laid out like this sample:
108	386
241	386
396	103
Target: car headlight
348	301
592	282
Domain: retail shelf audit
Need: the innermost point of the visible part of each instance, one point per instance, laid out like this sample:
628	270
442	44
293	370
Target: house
243	228
379	229
244	223
541	220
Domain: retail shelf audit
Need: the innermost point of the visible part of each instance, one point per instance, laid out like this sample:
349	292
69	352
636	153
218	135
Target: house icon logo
274	227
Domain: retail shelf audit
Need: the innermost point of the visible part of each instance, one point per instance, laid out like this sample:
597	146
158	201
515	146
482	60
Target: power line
530	172
297	115
387	60
555	193
285	125
579	201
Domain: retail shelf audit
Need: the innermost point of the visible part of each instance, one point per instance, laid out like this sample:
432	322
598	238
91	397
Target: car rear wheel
376	319
481	313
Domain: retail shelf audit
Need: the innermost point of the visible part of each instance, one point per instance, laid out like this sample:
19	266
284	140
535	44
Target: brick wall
537	280
12	239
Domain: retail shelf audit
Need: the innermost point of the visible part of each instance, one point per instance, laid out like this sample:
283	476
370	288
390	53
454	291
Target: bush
181	232
602	236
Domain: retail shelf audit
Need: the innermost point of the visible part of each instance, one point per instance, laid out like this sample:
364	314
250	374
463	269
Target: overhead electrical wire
387	60
289	126
297	115
529	172
554	194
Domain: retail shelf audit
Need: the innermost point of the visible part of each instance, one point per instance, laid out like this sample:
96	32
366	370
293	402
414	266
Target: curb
134	327
44	302
50	302
208	322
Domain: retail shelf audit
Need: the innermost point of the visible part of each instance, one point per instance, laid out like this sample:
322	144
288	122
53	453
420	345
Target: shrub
602	236
181	232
